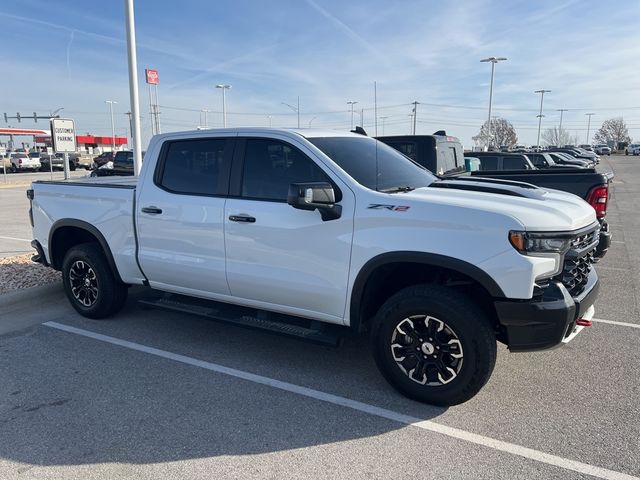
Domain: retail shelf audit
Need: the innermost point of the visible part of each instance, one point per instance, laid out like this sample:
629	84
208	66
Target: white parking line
620	324
617	241
457	433
14	238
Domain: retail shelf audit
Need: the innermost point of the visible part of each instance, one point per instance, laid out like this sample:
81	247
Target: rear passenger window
409	149
194	167
513	163
270	166
488	163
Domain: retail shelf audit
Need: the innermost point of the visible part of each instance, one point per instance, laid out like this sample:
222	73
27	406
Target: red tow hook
583	322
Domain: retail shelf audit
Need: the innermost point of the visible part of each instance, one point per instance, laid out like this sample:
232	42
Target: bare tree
502	133
613	130
557	136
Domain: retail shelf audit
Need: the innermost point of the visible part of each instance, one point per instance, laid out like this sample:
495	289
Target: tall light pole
269	117
493	61
295	109
311	121
589	125
540	114
133	85
561	110
113	130
383	119
224	87
206	120
352	103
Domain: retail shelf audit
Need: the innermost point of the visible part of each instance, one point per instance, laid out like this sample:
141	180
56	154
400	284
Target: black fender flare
72	222
427	259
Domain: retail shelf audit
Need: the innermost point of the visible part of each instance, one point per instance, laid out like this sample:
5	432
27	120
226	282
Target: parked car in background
102	159
586	147
21	161
602	149
566	159
82	160
441	154
581	154
545	160
632	149
57	162
122	165
503	161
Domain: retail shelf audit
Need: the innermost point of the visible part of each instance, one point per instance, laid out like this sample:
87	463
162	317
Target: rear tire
90	284
433	345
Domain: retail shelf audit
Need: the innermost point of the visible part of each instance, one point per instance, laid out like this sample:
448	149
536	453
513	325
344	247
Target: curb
28	294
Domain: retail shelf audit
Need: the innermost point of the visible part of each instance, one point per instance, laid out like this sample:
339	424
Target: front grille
578	262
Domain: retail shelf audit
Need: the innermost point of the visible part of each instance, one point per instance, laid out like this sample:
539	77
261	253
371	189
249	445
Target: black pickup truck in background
443	155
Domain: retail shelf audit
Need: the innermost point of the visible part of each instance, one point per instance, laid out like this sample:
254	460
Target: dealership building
14	138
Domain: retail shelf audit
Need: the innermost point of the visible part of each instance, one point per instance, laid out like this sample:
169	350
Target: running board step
318	332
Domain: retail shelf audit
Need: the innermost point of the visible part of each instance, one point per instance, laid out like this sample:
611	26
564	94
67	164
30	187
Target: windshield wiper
398	189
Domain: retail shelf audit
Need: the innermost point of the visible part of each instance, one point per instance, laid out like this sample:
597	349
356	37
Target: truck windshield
374	164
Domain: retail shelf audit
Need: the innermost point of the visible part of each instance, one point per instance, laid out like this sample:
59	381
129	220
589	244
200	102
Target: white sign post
50	154
63	138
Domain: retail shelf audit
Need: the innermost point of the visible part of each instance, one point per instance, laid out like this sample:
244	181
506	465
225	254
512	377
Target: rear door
279	257
180	213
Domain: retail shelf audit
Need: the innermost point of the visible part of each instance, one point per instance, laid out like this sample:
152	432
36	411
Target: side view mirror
315	196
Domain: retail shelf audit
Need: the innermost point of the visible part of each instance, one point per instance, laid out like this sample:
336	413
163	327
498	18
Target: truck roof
303	132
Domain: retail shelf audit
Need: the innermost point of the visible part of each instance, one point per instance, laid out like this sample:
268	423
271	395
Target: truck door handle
242	218
152	210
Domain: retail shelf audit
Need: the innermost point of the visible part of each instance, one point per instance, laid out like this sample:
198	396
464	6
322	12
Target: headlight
546	245
532	243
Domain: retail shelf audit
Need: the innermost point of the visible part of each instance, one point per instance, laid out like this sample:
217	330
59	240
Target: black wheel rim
84	283
427	350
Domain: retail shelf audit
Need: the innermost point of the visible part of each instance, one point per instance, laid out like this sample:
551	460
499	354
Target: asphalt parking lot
155	394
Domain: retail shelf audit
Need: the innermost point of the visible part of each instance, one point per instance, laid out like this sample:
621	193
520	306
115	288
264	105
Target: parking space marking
617	241
613	322
14	238
428	425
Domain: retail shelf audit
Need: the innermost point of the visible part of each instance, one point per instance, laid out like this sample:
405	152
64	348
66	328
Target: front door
279	257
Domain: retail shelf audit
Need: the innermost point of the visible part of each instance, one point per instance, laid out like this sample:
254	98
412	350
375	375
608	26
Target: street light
311	121
54	114
383	119
589	125
295	109
113	130
352	103
269	117
493	61
540	114
224	87
206	120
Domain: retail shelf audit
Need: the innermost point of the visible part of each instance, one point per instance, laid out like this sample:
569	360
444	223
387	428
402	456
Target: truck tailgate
106	206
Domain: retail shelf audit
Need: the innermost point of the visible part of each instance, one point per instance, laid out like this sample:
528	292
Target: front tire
90	285
433	345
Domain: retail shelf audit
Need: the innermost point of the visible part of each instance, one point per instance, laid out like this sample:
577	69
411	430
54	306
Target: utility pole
295	109
589	125
540	115
415	115
561	110
493	61
352	103
128	114
375	105
133	85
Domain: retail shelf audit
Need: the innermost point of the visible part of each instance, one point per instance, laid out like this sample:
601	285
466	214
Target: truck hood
537	209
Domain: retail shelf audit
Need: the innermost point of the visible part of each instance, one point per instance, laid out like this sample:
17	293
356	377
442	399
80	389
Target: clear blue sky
73	54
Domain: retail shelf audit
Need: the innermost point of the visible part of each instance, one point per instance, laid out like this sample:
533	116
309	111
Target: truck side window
194	167
409	149
488	163
513	163
270	166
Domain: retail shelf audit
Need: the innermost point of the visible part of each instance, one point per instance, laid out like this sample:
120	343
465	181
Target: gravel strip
20	272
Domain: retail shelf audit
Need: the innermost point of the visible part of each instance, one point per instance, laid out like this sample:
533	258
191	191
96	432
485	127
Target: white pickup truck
303	231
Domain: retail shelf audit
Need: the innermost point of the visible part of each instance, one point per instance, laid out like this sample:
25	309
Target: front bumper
546	322
605	241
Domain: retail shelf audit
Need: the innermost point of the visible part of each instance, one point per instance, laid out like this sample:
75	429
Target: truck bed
578	181
105	204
